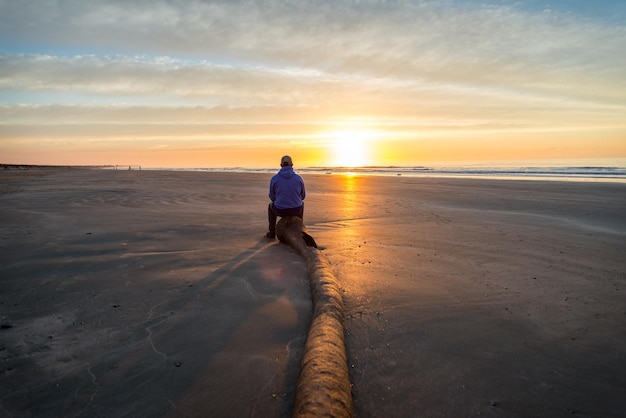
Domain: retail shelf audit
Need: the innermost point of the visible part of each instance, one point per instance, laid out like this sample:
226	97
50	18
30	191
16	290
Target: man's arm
272	195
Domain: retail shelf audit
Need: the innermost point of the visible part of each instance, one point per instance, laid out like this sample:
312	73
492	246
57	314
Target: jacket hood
286	172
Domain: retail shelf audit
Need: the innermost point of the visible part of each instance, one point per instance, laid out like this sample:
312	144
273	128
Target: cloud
400	64
137	76
438	42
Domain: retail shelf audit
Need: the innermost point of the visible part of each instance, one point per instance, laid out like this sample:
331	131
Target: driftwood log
323	388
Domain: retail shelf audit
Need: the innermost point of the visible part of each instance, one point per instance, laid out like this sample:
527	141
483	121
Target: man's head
286	161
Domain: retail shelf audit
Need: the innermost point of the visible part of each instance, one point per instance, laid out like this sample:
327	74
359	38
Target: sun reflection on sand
350	203
349	199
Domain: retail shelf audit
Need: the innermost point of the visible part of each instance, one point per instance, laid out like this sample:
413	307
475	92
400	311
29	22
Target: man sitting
287	193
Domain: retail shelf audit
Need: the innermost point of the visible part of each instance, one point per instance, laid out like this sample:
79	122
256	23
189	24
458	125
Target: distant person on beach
286	193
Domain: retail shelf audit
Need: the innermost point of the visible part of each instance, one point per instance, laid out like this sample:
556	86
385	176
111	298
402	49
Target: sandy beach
154	293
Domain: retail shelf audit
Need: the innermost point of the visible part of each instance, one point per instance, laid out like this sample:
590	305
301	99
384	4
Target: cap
286	160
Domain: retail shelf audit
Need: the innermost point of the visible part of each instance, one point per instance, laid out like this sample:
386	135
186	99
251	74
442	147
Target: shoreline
526	173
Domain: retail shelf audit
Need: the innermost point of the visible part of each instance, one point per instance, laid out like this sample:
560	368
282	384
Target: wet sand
144	293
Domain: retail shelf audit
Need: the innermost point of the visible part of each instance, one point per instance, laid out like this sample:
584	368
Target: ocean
601	169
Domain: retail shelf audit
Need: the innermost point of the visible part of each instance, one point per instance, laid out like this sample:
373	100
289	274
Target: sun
350	148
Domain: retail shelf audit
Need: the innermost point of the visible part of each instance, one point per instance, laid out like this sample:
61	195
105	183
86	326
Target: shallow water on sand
155	293
465	298
146	294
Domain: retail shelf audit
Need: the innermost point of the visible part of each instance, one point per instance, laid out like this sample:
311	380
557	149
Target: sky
233	83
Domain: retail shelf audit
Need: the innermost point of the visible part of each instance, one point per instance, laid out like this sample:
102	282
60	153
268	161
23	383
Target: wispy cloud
398	64
236	43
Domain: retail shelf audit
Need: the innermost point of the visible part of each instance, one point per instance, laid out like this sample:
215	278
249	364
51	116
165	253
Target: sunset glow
351	148
180	84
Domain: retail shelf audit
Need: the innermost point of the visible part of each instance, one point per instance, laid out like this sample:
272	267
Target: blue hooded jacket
287	189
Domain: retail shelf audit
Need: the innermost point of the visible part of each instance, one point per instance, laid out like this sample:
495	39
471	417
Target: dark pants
273	213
